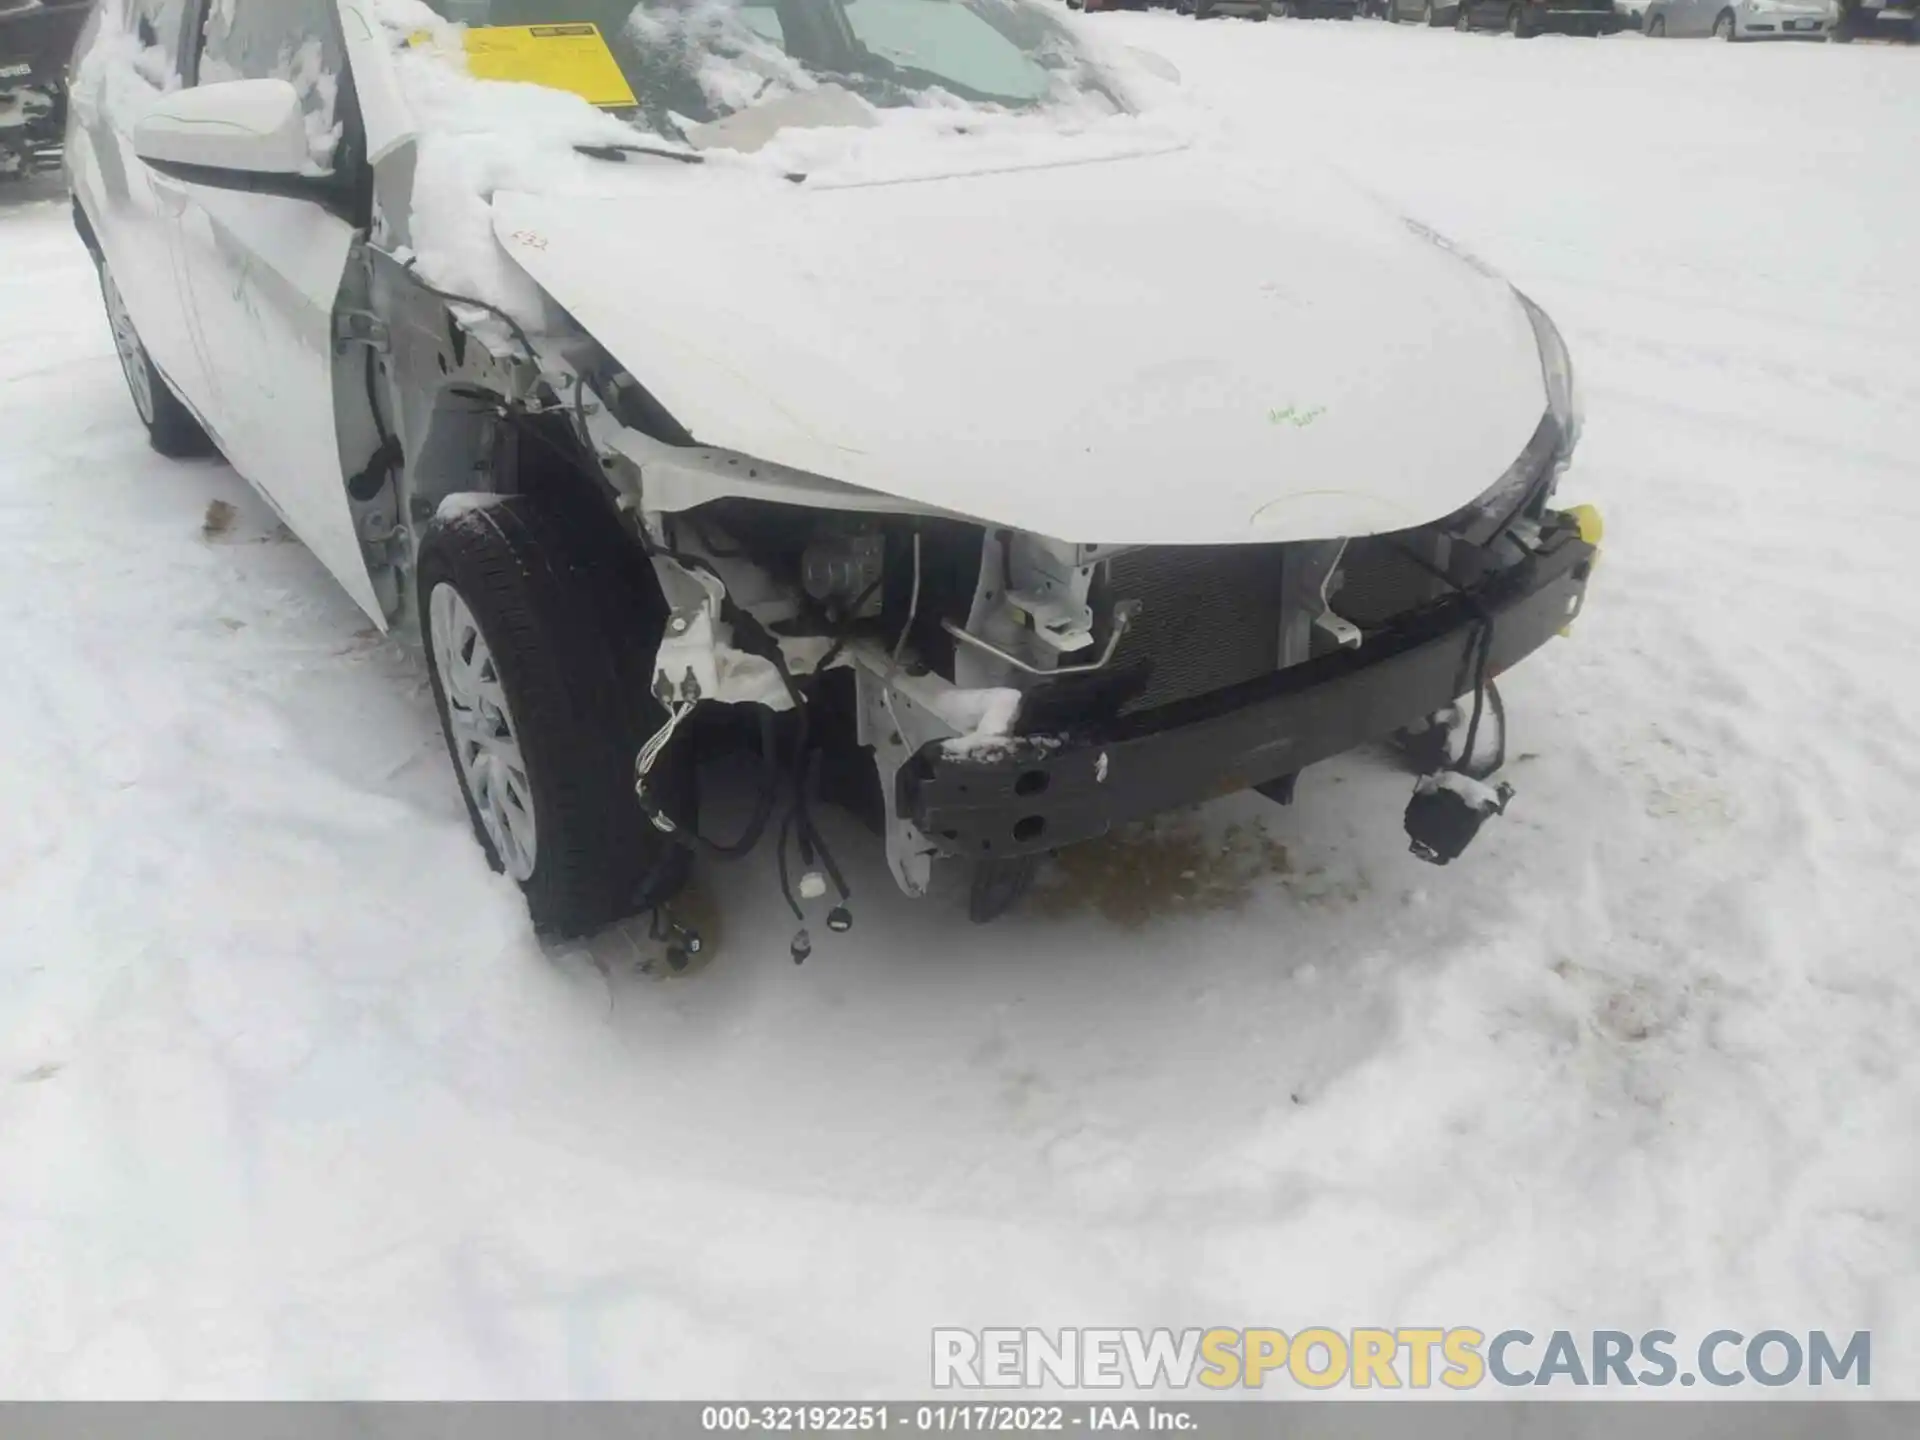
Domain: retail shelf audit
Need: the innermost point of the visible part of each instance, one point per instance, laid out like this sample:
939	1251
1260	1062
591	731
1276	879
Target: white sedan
845	368
1743	19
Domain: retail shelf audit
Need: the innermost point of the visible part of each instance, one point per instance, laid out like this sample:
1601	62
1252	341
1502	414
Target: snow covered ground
292	1104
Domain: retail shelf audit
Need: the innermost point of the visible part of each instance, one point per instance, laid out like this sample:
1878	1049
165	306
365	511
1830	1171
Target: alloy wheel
485	739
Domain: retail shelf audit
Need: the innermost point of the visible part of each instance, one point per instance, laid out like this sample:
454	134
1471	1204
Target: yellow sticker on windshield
574	58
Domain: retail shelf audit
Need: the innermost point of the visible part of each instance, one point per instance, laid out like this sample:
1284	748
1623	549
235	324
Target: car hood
1159	349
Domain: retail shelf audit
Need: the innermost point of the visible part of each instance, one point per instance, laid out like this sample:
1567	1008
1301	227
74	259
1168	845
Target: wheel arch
461	407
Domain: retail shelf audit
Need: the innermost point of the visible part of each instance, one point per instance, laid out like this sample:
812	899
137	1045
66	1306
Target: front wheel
524	641
171	428
1723	26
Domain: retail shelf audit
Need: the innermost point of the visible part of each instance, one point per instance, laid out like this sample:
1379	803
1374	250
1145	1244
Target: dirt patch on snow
1154	869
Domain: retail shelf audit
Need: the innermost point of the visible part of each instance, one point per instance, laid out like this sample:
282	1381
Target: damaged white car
877	383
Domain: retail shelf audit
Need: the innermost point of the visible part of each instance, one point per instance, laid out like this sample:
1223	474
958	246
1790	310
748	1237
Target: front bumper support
1036	793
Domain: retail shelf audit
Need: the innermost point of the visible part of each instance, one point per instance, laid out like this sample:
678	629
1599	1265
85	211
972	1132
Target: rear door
264	272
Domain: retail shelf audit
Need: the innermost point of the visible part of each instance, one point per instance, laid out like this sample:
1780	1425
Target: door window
292	40
161	28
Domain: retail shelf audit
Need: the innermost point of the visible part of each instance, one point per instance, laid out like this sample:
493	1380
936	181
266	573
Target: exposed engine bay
985	641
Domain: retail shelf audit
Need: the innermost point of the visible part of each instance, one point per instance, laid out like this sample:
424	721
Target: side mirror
231	134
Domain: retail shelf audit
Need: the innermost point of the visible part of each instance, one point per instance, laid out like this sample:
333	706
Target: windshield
702	60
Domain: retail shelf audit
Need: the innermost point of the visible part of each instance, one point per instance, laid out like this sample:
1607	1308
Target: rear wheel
524	642
1657	27
1462	18
171	428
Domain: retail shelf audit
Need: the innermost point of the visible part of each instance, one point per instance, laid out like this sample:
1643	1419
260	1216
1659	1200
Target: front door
264	273
133	217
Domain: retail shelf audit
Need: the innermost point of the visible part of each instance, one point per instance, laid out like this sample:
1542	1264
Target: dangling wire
649	755
1482	655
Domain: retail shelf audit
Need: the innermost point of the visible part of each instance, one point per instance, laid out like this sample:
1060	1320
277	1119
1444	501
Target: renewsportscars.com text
1455	1358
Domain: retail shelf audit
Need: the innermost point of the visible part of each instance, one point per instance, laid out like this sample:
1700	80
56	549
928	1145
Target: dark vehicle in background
1892	21
1319	9
1207	9
1420	12
36	42
1524	18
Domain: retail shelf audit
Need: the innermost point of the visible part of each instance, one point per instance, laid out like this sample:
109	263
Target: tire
1723	26
1462	17
171	428
1263	12
1517	25
1657	27
532	651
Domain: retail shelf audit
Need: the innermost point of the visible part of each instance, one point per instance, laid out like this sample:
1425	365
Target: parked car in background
1319	9
1877	20
1420	12
1524	18
1742	19
1207	9
36	42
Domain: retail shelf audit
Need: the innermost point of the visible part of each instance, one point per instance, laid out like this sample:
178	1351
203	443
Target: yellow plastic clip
1586	519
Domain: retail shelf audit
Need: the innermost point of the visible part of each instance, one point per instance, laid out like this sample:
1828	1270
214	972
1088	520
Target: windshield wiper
620	151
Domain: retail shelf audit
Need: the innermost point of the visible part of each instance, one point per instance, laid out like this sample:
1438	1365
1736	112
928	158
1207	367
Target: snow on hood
477	138
1161	349
1104	327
